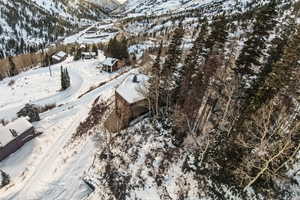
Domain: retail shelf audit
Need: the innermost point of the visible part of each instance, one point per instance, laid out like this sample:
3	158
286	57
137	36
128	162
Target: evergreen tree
218	34
65	78
78	54
190	64
250	57
117	49
62	78
154	82
170	70
95	49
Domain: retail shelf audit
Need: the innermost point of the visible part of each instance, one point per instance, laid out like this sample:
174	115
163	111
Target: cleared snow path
49	167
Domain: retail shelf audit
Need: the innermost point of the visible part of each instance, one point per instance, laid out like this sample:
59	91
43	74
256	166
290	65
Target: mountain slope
27	25
163	6
107	4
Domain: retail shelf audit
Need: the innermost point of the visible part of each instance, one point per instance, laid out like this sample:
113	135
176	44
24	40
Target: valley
215	116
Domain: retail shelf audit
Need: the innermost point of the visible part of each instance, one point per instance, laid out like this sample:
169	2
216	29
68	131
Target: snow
5	136
109	61
61	54
88	53
132	91
52	165
20	125
56	57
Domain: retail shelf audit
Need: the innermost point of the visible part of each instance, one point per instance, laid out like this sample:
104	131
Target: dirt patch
94	118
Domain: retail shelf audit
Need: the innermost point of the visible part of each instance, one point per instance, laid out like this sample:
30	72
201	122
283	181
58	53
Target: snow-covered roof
88	53
61	54
20	126
109	61
56	57
130	90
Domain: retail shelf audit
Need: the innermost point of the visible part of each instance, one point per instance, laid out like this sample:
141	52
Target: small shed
14	135
110	64
88	55
59	57
130	101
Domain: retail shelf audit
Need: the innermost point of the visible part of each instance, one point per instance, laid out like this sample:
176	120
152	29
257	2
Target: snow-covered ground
50	166
102	35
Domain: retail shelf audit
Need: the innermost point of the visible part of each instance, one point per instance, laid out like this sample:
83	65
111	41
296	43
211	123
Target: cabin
130	102
88	55
59	57
110	64
14	135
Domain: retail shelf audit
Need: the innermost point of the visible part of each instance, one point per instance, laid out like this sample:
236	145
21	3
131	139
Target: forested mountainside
28	25
155	7
109	5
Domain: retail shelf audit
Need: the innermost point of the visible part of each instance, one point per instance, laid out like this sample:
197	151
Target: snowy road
49	167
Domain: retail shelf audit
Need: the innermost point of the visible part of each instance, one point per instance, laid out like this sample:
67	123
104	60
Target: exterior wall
120	64
18	142
123	110
127	112
108	68
139	108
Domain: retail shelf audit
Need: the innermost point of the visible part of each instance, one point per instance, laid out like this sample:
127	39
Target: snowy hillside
109	5
29	25
214	129
162	6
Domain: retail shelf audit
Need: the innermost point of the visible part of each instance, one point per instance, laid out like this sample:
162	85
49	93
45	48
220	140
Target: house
110	64
130	102
14	135
59	57
88	55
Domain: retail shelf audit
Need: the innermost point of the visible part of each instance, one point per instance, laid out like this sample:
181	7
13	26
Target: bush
47	107
11	82
4	179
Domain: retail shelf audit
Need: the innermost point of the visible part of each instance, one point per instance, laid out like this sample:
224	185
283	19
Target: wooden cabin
110	64
88	55
59	57
14	135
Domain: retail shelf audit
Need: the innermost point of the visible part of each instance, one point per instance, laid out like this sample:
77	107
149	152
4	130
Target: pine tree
95	49
154	82
78	54
117	49
250	57
67	78
190	64
170	68
62	78
218	34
